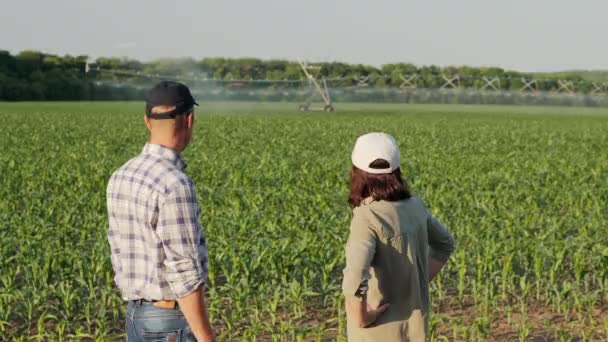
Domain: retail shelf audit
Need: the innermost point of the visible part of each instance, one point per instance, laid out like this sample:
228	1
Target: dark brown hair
384	186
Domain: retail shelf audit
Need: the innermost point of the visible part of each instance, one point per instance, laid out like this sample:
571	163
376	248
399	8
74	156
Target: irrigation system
316	90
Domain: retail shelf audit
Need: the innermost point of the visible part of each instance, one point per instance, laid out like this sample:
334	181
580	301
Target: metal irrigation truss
318	86
373	87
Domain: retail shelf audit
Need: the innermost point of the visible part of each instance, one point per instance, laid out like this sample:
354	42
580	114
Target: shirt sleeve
181	234
440	240
360	251
113	232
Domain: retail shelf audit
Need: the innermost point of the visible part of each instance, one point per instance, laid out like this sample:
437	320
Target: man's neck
168	143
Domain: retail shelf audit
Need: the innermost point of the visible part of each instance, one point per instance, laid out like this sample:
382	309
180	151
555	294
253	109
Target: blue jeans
145	322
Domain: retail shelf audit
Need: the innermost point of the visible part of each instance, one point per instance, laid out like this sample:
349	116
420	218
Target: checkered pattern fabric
158	247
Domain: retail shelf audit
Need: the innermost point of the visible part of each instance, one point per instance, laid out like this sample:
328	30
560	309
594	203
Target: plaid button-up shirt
157	241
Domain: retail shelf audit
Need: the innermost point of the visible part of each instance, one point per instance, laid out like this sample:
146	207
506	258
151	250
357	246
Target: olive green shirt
387	256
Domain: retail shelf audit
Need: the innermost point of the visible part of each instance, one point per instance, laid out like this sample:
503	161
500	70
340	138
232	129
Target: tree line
33	75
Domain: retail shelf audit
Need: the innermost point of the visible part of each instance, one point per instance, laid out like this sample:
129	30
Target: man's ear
148	123
190	120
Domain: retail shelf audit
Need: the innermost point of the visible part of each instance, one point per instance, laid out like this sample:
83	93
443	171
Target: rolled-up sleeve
441	242
360	250
113	232
181	234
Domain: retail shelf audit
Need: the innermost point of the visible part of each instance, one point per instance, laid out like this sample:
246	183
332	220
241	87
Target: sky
524	35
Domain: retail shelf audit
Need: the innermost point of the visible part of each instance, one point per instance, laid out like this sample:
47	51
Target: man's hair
385	186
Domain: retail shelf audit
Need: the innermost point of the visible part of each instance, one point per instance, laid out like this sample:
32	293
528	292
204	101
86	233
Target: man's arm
194	309
113	230
186	260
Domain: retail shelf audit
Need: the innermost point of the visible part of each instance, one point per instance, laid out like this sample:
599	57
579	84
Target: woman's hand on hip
372	315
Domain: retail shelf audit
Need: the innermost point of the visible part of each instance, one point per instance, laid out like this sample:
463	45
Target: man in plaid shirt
159	253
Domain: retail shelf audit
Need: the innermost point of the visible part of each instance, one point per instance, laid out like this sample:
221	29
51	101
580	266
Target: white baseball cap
373	146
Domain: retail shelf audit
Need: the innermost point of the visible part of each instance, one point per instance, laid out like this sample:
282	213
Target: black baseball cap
169	93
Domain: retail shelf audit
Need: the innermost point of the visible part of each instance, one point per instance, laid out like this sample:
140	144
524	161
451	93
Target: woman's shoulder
373	204
373	210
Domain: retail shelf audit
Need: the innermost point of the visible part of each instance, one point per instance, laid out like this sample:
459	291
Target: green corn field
524	190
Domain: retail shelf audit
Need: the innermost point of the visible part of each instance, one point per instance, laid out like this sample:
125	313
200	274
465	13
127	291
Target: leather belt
163	304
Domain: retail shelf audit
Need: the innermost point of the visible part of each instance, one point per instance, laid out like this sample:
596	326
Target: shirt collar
165	153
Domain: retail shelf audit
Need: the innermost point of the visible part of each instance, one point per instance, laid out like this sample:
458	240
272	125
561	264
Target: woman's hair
384	186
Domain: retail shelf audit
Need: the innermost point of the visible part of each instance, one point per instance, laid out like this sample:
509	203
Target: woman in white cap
394	249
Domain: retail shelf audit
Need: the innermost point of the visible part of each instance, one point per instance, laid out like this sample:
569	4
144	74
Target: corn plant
523	189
